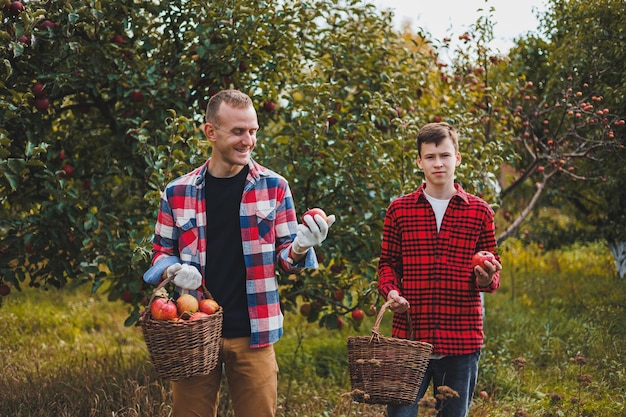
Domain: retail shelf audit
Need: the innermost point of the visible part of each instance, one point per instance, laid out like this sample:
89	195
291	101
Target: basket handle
167	280
375	328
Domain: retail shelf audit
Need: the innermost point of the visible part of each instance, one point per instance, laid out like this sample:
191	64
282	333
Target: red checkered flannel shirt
433	270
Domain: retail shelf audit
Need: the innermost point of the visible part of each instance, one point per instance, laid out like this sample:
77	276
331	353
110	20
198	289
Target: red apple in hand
163	309
479	258
312	212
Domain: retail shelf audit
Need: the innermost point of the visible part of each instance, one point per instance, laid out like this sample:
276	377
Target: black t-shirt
225	268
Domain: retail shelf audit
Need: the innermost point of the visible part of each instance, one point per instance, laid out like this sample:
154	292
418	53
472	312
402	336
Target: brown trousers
251	374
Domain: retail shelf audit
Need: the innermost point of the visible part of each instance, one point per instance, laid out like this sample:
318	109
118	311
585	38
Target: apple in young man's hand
479	258
312	212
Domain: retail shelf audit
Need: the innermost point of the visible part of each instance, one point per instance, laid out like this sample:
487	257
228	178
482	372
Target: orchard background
102	101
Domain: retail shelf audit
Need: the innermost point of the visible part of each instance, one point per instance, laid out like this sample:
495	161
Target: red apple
163	309
337	295
136	96
269	106
5	290
187	303
208	306
312	212
127	296
68	171
357	314
479	258
119	39
198	315
372	310
47	24
339	323
42	104
16	8
39	90
305	309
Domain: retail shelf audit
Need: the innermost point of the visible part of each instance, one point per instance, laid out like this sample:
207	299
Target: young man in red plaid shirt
229	224
425	267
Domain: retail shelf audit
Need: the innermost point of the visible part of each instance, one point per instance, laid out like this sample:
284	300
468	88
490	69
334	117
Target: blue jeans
457	372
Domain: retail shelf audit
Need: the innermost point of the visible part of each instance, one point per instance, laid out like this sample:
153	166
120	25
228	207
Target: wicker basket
386	370
182	349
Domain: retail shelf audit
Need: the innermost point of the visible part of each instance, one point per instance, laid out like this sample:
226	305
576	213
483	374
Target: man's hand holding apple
312	231
485	266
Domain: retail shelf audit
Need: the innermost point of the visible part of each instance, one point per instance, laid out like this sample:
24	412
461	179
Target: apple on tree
337	295
4	290
357	314
39	90
15	8
305	309
42	104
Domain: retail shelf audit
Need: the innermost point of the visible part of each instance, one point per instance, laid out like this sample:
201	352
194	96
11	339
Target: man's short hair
436	133
233	98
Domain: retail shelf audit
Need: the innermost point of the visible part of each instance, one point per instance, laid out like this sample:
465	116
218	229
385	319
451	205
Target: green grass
67	353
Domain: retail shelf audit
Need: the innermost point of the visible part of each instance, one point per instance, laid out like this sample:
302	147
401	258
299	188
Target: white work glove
312	235
185	276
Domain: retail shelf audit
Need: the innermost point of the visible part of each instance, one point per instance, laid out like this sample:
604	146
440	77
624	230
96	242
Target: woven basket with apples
183	335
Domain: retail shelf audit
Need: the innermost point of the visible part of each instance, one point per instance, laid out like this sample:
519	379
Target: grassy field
556	333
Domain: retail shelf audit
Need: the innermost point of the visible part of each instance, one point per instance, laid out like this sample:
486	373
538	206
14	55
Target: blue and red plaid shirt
433	270
268	227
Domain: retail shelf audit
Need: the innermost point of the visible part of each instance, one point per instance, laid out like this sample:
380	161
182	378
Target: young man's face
439	162
233	138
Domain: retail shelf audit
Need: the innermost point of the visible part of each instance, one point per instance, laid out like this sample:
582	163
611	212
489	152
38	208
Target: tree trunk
618	249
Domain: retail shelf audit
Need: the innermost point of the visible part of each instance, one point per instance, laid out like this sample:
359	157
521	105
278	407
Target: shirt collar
461	194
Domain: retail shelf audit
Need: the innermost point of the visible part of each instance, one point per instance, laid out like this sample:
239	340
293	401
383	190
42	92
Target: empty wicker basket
386	370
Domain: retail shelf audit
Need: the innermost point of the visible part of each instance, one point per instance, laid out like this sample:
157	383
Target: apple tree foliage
582	43
102	104
340	96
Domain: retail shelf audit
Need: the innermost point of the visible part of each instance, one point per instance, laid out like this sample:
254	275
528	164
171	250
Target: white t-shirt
439	207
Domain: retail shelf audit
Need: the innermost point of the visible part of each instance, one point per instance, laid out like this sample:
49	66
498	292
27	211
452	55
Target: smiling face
233	135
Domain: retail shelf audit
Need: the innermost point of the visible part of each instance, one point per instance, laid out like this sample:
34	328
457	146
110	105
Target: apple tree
102	103
583	44
551	140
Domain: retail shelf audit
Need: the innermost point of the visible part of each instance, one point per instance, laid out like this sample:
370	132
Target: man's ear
419	162
209	131
458	159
